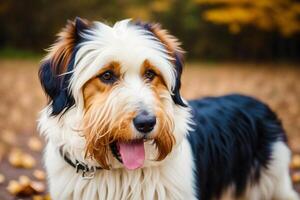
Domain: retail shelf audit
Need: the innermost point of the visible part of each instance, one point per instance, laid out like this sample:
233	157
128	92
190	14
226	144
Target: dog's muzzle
144	122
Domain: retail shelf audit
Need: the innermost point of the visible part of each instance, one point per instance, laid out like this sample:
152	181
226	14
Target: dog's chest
171	180
121	184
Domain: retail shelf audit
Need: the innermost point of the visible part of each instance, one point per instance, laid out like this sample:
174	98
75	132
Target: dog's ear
56	68
176	52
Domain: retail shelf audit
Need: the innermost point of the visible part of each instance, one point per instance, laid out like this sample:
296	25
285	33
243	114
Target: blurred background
246	46
260	30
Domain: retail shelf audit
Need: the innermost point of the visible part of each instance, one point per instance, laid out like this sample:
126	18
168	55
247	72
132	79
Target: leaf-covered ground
21	98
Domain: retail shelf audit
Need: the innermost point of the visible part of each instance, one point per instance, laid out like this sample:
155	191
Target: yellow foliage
229	15
281	15
138	12
212	2
234	28
145	12
160	5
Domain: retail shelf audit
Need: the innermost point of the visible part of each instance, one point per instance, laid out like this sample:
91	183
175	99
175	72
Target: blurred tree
281	15
205	27
33	24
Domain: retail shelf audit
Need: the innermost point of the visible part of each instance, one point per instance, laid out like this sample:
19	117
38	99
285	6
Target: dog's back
233	143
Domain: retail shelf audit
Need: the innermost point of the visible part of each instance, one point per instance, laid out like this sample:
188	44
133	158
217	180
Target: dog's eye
108	77
149	75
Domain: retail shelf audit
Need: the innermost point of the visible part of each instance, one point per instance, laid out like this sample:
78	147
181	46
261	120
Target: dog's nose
144	122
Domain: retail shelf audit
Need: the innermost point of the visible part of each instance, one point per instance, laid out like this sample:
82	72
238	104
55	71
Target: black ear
176	91
56	69
80	25
56	87
173	47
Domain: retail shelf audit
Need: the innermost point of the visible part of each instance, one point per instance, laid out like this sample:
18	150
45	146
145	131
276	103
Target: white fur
171	178
275	182
103	46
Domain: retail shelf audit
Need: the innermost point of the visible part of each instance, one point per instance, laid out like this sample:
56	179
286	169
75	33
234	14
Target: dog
117	127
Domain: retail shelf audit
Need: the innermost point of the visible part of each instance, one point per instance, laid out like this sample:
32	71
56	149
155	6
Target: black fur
231	142
56	87
56	84
176	91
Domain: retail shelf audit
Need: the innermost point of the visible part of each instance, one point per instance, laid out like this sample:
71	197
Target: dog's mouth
130	153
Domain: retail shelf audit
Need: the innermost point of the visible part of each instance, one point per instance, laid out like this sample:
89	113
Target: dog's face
125	80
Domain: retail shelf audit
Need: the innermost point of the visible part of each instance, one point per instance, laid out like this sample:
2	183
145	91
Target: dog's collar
87	172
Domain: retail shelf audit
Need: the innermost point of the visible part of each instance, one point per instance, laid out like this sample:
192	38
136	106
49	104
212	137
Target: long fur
214	148
232	142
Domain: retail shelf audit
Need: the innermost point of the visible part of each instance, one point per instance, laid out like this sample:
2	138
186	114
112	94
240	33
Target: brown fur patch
101	126
61	51
100	136
164	139
158	80
94	89
172	44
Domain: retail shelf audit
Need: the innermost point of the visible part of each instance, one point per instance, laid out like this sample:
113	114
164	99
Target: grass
14	53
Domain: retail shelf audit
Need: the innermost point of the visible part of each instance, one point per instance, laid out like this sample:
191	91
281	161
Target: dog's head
125	80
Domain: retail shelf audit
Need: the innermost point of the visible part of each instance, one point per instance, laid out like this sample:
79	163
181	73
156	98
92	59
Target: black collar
87	172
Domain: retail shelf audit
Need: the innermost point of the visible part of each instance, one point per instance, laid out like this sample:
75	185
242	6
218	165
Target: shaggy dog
117	128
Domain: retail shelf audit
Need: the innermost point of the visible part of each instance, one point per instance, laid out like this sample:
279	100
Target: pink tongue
132	153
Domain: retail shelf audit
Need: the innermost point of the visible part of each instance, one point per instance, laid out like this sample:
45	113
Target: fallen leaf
9	137
35	144
25	187
47	197
39	174
38	186
14	187
37	197
28	161
295	162
2	178
24	180
296	177
17	158
41	197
